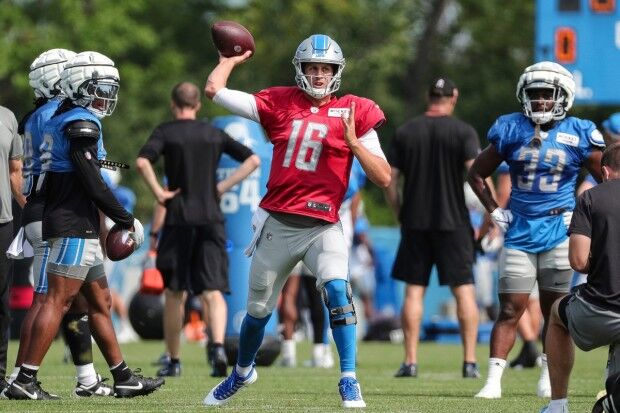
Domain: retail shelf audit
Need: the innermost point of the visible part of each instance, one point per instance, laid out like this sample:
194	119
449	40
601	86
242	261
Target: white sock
288	349
558	405
318	351
348	374
496	370
86	374
243	371
13	374
544	371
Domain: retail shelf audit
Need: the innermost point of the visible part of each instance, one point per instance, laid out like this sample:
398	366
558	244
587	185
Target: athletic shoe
28	391
407	370
99	388
228	387
563	409
137	385
525	360
170	370
350	393
490	391
163	360
471	371
219	362
3	386
289	362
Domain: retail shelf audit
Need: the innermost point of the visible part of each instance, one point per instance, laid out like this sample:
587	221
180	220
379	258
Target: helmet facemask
318	48
541	109
546	76
99	96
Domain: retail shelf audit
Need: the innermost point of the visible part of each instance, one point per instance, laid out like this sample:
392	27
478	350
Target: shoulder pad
82	129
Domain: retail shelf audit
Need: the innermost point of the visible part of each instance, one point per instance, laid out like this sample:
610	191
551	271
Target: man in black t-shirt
432	152
590	316
192	248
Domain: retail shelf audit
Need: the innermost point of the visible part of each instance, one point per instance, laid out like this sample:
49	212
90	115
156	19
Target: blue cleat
350	392
228	387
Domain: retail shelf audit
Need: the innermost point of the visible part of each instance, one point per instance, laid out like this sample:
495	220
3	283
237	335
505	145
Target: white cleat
490	391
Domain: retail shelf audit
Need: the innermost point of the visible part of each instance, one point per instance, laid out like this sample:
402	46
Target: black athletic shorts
452	252
194	258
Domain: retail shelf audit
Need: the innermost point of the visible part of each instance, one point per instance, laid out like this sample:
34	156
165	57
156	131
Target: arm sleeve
235	150
370	141
239	103
581	222
83	155
153	148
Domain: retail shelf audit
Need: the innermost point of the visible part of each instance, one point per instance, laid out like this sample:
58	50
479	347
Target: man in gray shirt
11	152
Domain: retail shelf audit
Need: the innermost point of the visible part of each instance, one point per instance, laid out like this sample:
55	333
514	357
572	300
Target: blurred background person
432	151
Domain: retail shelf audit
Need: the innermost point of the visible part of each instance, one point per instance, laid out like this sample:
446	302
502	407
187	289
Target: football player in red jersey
315	136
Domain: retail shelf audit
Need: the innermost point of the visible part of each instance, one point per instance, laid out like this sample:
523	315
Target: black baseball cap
442	86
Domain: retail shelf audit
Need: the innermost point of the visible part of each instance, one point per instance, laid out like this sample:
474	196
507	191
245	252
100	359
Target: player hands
137	233
235	59
348	122
502	218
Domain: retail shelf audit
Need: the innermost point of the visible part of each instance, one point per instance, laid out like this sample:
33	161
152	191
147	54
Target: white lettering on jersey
567	139
338	112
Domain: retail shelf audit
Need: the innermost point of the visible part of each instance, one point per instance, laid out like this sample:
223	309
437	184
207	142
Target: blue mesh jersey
33	138
543	178
357	179
55	148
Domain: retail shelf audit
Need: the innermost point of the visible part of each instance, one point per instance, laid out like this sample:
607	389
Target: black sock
76	330
26	375
121	372
529	347
175	361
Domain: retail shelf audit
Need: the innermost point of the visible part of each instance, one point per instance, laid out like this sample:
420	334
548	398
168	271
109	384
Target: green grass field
439	387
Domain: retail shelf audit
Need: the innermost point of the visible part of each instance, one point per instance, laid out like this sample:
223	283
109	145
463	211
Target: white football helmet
318	48
91	80
547	75
45	70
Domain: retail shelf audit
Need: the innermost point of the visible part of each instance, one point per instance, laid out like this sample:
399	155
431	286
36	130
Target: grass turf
439	387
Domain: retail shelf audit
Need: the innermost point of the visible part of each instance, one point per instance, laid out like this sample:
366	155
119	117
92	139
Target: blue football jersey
33	138
543	178
55	156
357	179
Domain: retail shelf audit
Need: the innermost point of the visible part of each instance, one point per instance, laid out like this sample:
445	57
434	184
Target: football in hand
118	244
231	39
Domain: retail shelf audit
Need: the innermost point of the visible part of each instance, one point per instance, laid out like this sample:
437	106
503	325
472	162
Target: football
231	39
118	244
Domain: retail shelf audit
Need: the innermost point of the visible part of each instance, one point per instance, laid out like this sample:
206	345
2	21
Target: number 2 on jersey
307	144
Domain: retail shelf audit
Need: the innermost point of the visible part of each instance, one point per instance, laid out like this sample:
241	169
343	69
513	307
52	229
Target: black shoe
407	370
170	370
219	362
137	385
99	388
28	391
471	371
526	359
163	360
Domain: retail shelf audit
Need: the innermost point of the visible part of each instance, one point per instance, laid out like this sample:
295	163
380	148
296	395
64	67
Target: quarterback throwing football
315	136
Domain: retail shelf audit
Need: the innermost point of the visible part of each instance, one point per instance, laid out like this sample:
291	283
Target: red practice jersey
311	160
